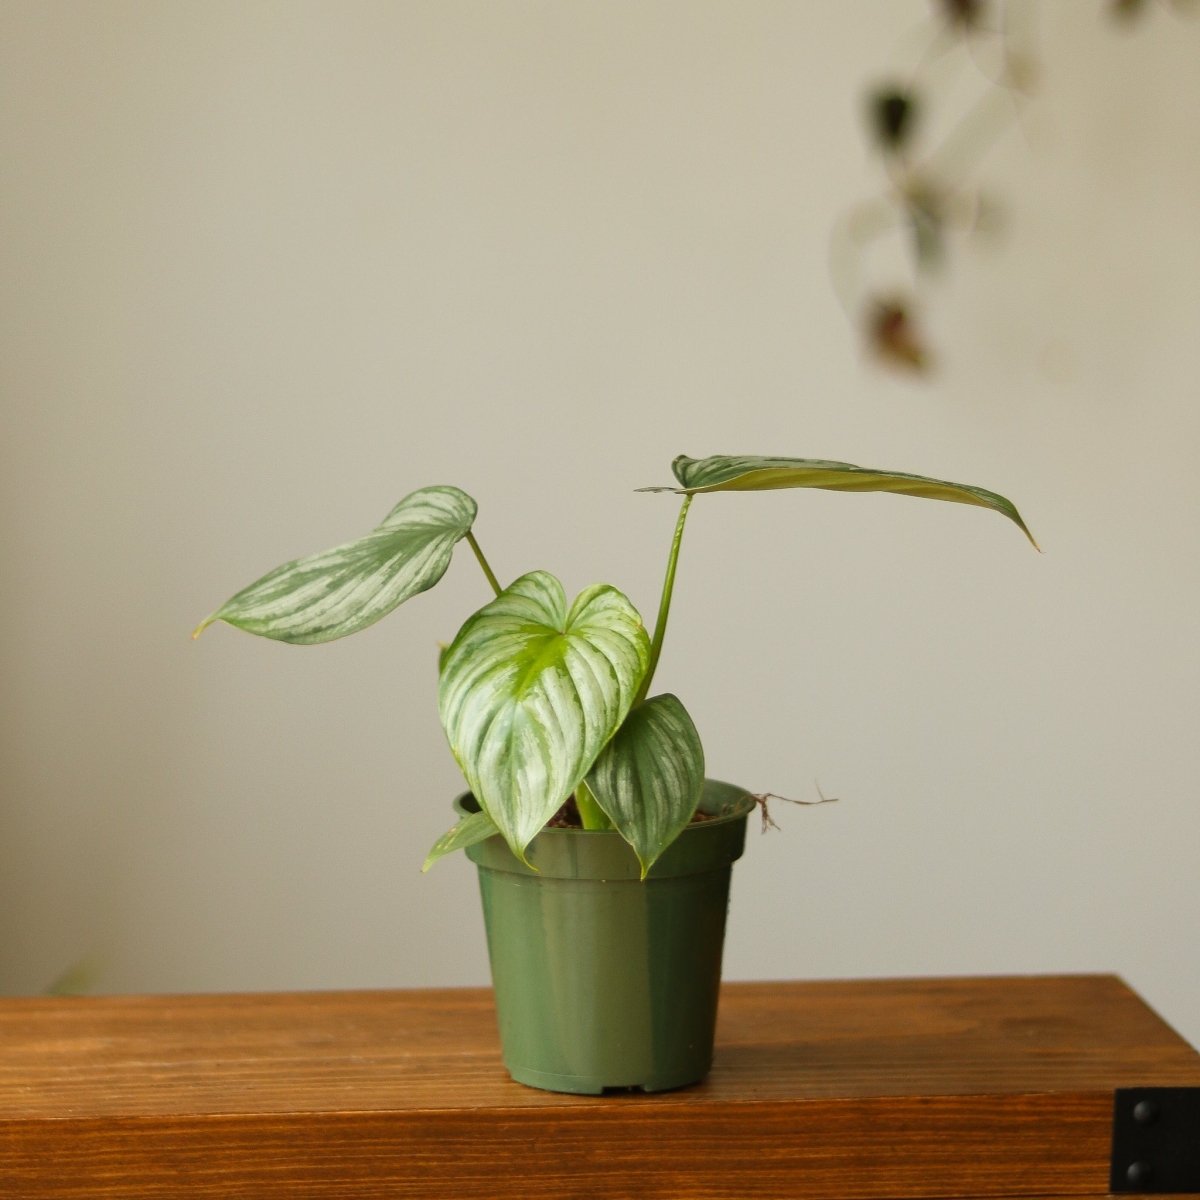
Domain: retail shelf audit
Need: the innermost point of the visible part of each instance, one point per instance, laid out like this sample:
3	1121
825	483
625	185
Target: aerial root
769	822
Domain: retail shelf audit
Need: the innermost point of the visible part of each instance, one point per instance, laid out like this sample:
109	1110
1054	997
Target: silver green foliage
473	828
340	591
531	691
649	778
747	473
537	697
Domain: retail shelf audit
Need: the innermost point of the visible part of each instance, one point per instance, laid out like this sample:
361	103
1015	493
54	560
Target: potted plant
604	853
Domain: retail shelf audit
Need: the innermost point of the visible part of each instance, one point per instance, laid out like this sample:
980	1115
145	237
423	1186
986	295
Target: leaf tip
203	626
647	863
1029	534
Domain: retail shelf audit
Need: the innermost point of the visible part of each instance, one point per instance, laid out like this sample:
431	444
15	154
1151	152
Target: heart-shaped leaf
530	692
472	829
329	595
650	777
729	473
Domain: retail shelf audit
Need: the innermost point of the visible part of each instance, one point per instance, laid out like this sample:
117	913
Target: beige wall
269	266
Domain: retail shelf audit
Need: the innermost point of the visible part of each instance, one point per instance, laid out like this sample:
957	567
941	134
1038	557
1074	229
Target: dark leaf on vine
963	14
893	336
893	115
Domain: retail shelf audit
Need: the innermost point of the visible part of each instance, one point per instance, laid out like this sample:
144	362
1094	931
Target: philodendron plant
545	702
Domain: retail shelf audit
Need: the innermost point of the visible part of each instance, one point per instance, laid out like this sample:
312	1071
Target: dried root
769	822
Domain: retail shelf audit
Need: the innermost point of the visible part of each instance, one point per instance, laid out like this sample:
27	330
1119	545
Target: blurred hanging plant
1129	9
927	197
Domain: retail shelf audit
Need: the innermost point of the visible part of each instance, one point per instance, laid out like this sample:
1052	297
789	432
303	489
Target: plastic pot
603	981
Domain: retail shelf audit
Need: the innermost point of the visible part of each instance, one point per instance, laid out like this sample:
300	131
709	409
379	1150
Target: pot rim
602	854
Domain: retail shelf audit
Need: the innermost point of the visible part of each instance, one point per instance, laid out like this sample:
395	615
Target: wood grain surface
919	1088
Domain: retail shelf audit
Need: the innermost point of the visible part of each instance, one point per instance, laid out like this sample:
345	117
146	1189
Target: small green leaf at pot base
530	693
472	829
650	777
730	473
340	591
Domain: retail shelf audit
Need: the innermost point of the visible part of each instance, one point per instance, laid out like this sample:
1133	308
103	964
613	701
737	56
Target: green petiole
483	562
591	814
664	604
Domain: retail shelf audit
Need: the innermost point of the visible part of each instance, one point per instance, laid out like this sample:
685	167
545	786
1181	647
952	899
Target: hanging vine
929	197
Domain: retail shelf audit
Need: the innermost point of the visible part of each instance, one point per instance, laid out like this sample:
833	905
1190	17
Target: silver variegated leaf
340	591
472	829
530	692
649	778
730	473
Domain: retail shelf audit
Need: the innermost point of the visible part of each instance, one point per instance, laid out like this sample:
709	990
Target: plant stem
590	813
483	562
664	605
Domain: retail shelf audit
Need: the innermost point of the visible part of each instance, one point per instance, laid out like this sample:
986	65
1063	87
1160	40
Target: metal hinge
1156	1140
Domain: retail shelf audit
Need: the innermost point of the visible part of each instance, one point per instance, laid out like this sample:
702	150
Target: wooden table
904	1089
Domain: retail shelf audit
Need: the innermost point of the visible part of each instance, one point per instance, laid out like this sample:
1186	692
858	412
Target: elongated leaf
477	827
338	592
530	692
727	473
650	777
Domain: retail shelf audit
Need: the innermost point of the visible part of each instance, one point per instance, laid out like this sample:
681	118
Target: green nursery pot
602	980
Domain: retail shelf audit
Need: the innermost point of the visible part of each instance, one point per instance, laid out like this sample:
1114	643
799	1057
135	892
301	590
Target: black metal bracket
1156	1140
